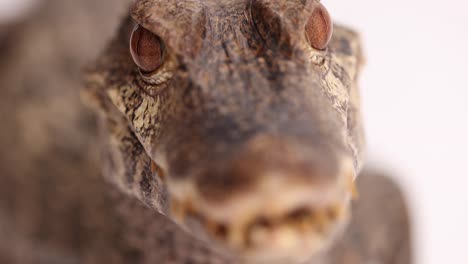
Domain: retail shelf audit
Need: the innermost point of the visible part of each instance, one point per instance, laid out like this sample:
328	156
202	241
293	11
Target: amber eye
146	49
319	28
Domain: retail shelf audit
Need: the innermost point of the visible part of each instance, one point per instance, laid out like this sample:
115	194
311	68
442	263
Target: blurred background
12	9
415	96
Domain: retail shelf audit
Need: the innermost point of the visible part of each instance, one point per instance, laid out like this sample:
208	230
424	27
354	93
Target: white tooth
285	237
178	211
259	235
236	236
353	189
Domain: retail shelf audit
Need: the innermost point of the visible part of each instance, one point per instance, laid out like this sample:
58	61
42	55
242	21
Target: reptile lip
277	220
295	234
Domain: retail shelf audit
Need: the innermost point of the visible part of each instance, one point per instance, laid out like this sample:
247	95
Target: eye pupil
146	50
319	28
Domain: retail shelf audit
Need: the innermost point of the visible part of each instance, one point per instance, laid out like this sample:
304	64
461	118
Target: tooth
352	188
335	212
178	210
259	235
155	169
211	226
286	237
305	223
236	236
354	192
321	221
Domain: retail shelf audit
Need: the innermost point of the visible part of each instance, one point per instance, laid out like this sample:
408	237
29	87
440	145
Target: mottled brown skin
55	206
241	103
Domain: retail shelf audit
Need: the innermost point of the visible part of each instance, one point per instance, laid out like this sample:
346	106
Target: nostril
258	231
333	212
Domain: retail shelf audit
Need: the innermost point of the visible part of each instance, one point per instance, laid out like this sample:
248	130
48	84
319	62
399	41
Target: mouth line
273	220
287	231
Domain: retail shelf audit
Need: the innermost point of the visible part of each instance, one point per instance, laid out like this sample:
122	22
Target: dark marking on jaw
341	74
110	162
132	146
131	102
146	178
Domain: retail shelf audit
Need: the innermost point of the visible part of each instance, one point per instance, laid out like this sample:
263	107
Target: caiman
222	132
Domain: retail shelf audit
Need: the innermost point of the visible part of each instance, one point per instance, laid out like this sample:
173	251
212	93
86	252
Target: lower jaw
290	242
287	245
291	246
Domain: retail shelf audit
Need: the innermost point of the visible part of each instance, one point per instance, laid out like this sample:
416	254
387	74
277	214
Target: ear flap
180	23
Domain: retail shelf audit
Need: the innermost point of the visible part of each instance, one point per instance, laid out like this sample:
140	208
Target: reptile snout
273	200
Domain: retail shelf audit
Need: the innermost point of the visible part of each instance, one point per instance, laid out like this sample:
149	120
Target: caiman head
239	120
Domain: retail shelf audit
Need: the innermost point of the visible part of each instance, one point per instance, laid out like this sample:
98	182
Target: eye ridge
147	49
319	28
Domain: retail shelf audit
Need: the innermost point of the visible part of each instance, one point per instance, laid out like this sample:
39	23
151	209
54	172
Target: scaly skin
55	206
258	135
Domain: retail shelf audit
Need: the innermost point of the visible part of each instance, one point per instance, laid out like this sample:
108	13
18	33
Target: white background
9	9
415	92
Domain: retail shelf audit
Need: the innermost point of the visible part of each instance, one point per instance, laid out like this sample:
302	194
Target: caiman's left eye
146	49
319	28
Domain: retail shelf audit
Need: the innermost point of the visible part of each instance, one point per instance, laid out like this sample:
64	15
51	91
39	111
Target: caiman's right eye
146	49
